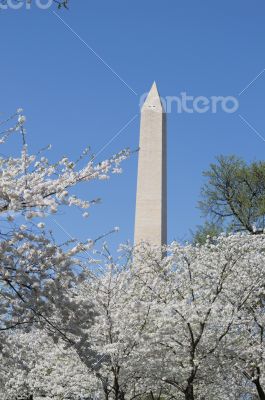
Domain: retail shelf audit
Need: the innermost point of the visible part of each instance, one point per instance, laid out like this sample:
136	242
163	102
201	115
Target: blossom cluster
189	325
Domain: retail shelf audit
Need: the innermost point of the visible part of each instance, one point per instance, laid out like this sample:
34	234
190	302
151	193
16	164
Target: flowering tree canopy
186	326
35	271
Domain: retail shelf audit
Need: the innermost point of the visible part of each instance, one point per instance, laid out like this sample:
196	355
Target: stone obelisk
151	199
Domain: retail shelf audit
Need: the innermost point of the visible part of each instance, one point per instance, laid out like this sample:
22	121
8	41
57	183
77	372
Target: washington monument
151	199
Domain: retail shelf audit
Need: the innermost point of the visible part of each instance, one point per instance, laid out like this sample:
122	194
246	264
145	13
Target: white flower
117	170
116	229
41	225
21	119
85	214
53	209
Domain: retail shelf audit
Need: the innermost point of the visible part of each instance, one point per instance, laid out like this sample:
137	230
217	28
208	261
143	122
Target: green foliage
209	230
234	195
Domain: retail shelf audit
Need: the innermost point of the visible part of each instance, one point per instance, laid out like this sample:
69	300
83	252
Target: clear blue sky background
73	100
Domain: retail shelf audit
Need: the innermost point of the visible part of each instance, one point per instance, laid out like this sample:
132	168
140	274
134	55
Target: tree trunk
121	396
118	393
106	391
260	391
189	393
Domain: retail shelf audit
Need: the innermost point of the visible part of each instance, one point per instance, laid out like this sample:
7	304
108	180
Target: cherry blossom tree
118	331
104	353
186	326
202	297
34	366
35	271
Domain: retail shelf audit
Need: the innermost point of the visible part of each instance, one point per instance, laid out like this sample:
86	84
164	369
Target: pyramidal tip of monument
153	100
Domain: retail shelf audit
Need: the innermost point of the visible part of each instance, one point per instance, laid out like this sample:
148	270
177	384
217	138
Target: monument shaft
151	199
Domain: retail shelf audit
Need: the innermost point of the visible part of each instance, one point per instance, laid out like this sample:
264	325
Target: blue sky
72	99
